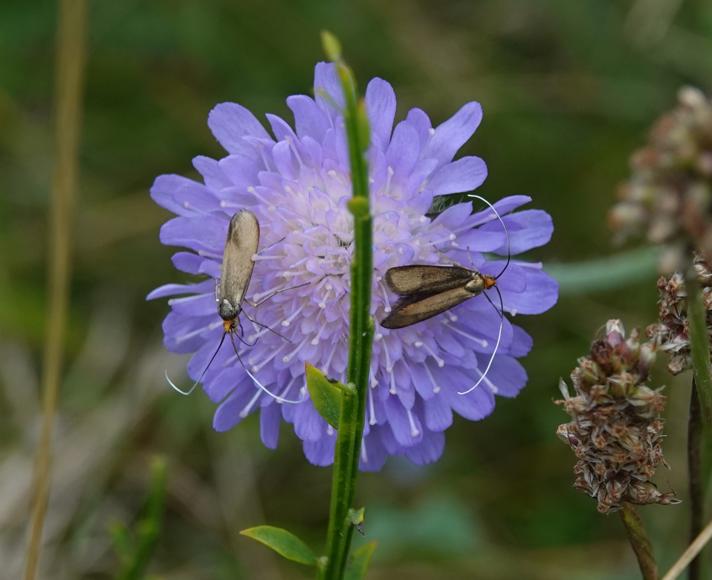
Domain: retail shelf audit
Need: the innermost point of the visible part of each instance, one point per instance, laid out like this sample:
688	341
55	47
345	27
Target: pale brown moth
243	238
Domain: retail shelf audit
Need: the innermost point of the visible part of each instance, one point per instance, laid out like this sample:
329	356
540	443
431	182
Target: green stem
694	466
699	345
639	542
353	410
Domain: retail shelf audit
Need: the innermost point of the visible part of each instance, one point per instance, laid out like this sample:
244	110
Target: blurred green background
568	89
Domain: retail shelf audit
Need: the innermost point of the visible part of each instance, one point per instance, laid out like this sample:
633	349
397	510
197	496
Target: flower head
297	182
669	194
671	332
616	431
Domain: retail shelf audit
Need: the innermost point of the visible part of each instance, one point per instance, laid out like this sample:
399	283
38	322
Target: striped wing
414	279
243	238
423	306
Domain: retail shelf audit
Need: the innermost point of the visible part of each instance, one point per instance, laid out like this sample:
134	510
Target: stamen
256	367
387	307
247	408
440	362
414	432
192	333
287	357
260	258
331	356
371	408
287	321
364	455
387	188
481	341
185	299
436	387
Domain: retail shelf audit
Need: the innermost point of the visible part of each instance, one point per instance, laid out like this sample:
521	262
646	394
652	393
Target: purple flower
297	182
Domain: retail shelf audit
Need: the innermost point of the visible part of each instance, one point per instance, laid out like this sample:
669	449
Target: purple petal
503	206
454	133
309	119
404	424
211	172
231	410
242	170
438	414
465	174
528	229
375	453
321	451
206	232
270	420
541	293
521	342
419	120
230	123
428	450
403	150
381	109
176	289
308	424
327	88
508	375
281	128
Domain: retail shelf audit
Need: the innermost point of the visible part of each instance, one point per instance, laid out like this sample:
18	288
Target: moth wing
413	279
421	307
243	238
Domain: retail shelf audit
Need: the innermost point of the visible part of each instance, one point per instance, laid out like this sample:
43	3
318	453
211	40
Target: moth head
227	311
476	284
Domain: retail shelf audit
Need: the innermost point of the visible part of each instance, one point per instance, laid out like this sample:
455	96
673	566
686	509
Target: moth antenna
259	384
200	378
499	311
504	227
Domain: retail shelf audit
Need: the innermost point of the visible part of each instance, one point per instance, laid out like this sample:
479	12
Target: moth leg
257	323
272	245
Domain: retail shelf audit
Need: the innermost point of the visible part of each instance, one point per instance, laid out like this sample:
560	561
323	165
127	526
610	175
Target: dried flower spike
671	332
669	194
616	428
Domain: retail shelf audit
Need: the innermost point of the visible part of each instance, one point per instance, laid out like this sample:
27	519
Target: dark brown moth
243	238
426	290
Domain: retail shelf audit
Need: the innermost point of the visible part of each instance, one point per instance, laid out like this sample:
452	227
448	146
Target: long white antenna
260	385
496	346
504	227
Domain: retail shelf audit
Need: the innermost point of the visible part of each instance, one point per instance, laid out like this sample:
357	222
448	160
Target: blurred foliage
568	89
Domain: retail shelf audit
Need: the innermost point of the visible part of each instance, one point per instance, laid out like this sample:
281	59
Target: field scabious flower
297	182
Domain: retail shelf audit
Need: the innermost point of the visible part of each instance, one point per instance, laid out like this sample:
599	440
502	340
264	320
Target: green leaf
285	543
359	561
325	394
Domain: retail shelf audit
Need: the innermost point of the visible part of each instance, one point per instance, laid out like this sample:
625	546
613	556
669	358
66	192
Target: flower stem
68	98
694	466
699	345
353	410
639	542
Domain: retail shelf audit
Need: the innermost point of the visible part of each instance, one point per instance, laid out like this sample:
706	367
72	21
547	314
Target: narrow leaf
285	543
359	561
325	394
